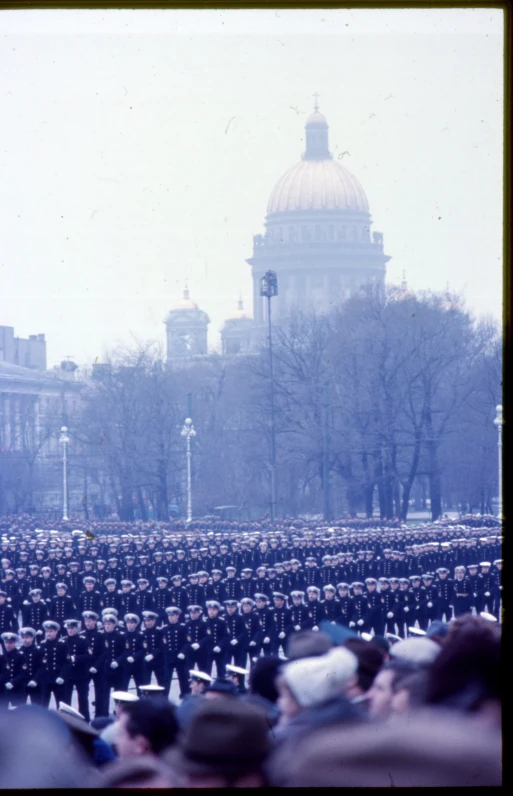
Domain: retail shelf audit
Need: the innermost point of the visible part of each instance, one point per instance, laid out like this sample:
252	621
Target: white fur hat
312	681
416	650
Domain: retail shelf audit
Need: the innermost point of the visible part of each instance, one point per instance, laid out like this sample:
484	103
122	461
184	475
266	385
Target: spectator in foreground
141	772
146	727
435	748
381	692
466	674
313	692
370	658
225	745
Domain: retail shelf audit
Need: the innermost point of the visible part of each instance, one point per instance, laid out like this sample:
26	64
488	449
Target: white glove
487	593
39	633
25	602
114	665
32	684
195	646
475	594
148	657
233	642
130	659
267	640
430	605
92	670
297	627
181	656
217	649
315	627
72	659
281	635
417	607
59	681
406	610
351	624
9	686
252	643
360	622
390	615
333	623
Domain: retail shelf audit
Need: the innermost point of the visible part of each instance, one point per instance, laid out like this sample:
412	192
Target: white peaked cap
124	696
63	708
236	669
312	681
489	617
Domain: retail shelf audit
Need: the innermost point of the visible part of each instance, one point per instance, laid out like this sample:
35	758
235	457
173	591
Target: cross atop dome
316	100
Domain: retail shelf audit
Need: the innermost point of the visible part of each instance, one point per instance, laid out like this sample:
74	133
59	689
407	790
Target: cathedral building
318	240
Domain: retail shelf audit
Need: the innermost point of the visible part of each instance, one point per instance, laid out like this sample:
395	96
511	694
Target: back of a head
432	749
154	719
308	644
140	772
262	679
313	681
466	673
47	737
370	660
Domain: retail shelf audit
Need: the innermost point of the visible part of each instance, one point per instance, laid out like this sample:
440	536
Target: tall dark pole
273	434
325	463
269	288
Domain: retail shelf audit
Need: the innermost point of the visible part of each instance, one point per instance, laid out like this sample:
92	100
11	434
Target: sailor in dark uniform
345	605
95	650
216	639
236	643
252	625
195	638
152	643
266	619
133	658
462	599
282	622
52	664
316	612
445	594
11	672
75	671
35	613
330	603
174	639
32	657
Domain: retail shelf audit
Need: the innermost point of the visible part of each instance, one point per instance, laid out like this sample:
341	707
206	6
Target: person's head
408	693
263	676
140	772
221	689
90	619
199	681
308	682
307	644
247	605
381	692
194	612
173	614
146	727
465	675
149	618
72	626
27	635
370	660
432	749
225	745
213	609
10	640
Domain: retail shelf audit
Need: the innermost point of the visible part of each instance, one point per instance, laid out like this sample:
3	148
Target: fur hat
315	680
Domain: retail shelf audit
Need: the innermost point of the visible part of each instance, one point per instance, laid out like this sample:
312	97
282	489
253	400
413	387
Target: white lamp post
64	440
498	422
188	432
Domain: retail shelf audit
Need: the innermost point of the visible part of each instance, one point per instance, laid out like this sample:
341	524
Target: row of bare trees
390	392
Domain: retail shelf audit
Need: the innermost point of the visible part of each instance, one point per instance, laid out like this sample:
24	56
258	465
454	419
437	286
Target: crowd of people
280	637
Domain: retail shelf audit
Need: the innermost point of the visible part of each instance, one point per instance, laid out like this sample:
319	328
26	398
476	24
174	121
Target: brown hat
434	749
224	737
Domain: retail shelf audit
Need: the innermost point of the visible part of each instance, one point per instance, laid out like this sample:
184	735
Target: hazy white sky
138	149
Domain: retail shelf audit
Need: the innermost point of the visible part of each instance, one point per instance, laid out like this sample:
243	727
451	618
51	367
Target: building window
280	234
318	232
342	233
292	234
304	233
331	232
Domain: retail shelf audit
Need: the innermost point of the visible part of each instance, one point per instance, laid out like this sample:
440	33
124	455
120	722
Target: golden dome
240	313
185	303
317	185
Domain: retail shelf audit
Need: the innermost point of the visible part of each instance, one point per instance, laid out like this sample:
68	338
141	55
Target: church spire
316	130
